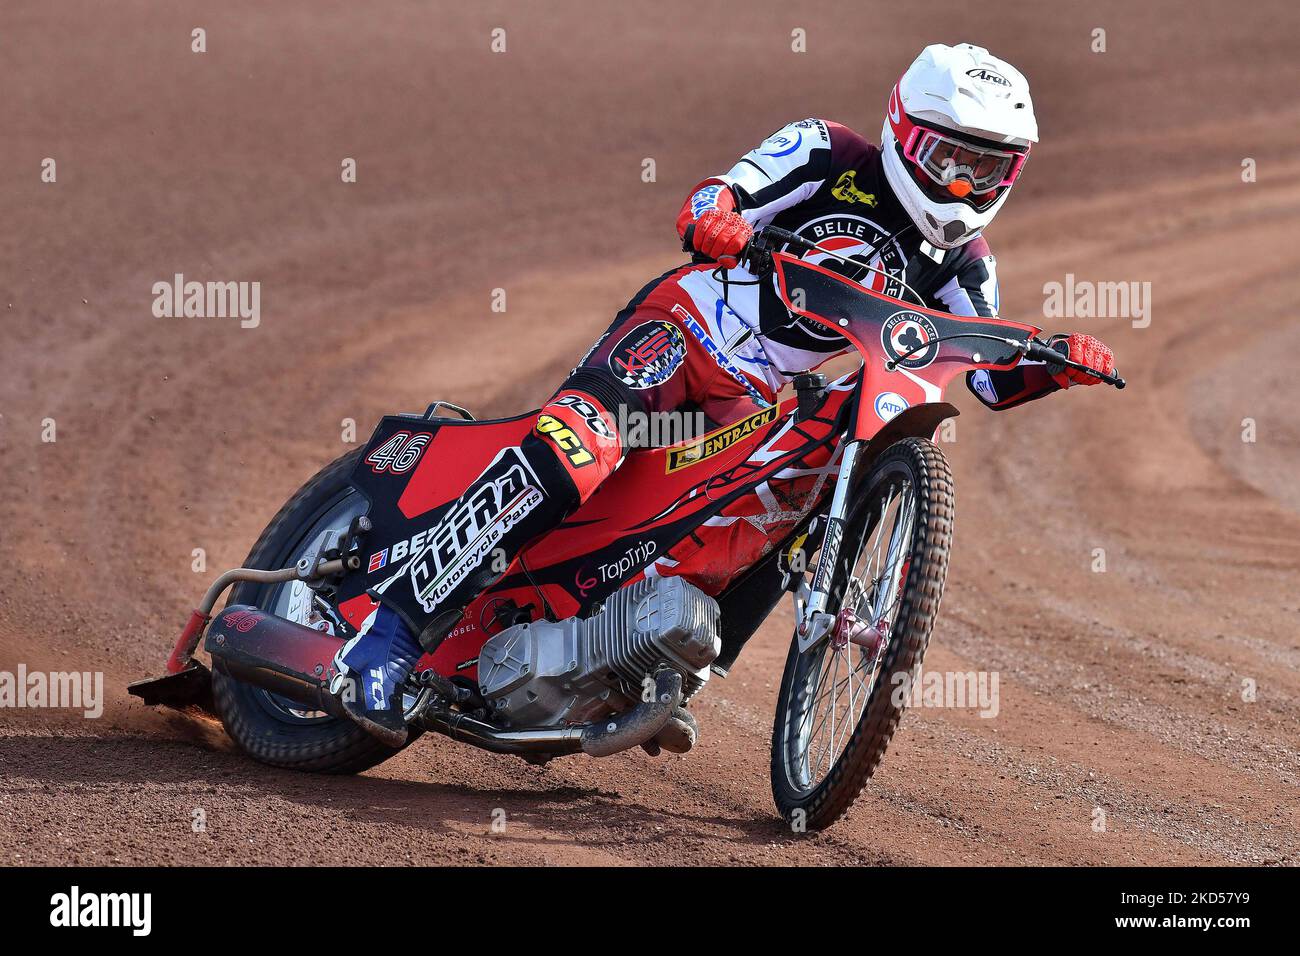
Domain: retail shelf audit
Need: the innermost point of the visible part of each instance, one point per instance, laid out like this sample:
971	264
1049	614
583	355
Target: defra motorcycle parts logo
469	533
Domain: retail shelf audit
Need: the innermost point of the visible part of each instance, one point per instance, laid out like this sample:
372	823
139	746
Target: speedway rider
957	132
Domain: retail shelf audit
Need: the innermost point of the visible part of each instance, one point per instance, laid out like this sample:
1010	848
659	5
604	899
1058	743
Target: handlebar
757	255
1042	352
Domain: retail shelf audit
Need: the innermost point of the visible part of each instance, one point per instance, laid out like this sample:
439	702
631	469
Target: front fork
813	621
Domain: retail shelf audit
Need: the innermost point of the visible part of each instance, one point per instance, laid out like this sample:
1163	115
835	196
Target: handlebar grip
789	238
1045	353
688	237
1040	352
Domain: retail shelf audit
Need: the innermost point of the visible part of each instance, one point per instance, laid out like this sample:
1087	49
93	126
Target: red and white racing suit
719	341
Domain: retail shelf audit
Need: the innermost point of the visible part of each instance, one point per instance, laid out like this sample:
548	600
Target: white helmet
956	135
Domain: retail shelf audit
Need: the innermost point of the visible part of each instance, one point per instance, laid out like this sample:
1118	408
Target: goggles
960	165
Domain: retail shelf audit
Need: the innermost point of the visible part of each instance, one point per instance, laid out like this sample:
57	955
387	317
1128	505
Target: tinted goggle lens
945	159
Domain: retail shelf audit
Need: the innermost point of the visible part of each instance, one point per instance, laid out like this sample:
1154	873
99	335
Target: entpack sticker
718	441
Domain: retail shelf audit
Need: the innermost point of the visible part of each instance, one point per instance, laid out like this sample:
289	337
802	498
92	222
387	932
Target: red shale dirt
1120	690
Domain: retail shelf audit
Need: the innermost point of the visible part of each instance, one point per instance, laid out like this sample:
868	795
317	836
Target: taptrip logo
635	556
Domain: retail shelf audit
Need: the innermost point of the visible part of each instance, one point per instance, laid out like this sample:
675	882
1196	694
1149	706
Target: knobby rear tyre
261	724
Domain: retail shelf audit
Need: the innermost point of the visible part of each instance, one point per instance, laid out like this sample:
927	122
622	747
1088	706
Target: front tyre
836	710
268	727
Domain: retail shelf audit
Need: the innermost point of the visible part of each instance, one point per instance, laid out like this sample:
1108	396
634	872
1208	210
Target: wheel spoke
832	704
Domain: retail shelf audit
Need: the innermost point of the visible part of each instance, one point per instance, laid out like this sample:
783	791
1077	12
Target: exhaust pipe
612	735
680	733
552	742
187	682
280	656
638	725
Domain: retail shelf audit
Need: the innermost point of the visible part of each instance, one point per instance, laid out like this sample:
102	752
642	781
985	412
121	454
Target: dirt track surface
1120	690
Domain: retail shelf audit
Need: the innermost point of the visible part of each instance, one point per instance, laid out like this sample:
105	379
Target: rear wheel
268	727
837	708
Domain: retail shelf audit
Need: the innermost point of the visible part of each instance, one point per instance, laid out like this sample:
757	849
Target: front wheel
841	701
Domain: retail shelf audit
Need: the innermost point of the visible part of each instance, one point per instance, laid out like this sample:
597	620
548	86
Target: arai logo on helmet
889	404
988	76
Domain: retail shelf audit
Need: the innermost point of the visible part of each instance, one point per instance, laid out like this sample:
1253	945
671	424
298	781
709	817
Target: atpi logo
889	404
781	144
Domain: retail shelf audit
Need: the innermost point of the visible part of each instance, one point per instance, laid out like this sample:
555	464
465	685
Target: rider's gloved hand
1086	350
721	235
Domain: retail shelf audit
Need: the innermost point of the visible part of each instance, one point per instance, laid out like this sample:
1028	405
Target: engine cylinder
544	674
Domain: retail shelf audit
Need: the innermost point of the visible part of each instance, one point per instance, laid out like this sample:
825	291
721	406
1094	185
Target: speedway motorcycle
599	635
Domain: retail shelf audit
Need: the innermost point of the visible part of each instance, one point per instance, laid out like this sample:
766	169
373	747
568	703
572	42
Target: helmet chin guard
957	130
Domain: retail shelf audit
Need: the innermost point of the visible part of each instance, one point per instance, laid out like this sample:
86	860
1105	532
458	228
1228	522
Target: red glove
721	235
1085	350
